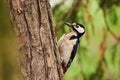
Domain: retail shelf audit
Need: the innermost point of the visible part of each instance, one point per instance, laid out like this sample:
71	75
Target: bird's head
77	28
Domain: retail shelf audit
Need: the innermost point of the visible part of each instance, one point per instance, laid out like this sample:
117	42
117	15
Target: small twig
108	28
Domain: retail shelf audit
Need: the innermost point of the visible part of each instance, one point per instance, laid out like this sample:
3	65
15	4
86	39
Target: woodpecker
68	44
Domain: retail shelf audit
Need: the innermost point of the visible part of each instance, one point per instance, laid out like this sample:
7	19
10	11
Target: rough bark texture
39	58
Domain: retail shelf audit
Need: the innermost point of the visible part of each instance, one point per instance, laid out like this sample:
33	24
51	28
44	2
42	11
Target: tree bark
38	55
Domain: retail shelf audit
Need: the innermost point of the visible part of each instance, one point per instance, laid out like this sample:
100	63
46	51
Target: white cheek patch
80	29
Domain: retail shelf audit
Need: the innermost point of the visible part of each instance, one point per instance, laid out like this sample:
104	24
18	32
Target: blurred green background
98	56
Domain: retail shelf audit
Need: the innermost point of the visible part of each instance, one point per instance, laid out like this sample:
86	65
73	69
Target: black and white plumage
68	44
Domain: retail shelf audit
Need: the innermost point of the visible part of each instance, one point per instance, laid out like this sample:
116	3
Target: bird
68	44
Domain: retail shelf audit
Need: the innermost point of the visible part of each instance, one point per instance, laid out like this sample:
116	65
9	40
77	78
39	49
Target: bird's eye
77	26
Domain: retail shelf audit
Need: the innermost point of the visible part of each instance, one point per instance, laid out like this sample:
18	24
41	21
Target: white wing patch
80	29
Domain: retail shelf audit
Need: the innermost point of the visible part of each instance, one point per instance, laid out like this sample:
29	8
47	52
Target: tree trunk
39	57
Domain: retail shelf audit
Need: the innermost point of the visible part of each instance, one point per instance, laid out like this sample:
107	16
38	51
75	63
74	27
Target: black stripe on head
80	25
78	34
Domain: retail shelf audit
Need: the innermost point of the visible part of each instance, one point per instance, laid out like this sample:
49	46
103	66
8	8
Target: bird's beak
68	24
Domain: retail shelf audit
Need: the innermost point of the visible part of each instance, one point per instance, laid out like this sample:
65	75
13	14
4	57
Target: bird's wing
59	41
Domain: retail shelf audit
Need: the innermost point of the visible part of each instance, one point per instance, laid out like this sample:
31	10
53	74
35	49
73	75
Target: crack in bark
50	21
39	19
55	48
28	43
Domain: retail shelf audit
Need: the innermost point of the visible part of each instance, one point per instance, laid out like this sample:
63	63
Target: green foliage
8	46
109	3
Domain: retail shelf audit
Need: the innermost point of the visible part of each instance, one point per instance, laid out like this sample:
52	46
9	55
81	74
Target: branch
108	28
69	13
